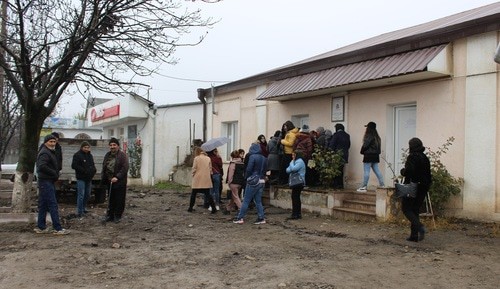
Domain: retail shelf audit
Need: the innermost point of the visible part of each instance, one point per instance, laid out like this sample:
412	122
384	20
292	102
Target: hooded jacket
257	163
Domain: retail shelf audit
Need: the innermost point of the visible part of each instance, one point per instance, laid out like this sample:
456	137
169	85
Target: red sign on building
103	113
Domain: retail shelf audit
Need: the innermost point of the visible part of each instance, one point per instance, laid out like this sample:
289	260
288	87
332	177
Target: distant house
435	80
164	132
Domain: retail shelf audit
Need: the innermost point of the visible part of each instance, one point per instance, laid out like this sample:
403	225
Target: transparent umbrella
214	143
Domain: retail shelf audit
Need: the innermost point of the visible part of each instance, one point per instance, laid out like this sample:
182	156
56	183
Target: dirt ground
159	244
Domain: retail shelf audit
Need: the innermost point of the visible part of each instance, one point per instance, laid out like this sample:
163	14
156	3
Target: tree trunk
22	192
23	184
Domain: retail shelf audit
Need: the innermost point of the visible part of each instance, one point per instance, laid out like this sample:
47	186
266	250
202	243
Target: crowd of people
287	153
268	162
271	162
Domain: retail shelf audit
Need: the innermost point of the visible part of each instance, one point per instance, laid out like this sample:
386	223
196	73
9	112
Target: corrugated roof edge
475	21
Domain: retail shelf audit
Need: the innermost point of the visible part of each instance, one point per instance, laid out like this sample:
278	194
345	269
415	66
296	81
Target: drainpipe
154	145
201	97
153	107
497	54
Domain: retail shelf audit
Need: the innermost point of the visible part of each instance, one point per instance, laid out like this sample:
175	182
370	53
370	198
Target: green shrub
444	185
171	186
327	163
135	159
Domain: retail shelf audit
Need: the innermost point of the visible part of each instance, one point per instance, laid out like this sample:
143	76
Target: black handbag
406	190
295	179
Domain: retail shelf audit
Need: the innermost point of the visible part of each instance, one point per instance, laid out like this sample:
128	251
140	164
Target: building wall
481	128
172	141
464	106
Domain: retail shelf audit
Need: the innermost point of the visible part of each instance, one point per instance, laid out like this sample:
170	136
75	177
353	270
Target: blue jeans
215	190
376	170
252	193
47	203
83	188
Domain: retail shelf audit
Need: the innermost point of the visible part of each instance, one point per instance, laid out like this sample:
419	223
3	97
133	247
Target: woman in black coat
418	170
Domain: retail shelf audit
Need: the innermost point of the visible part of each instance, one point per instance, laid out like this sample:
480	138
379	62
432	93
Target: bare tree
10	119
53	47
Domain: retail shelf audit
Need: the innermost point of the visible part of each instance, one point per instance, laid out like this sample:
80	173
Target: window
300	120
230	130
111	133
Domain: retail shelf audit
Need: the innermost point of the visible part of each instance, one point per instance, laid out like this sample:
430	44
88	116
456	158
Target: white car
9	168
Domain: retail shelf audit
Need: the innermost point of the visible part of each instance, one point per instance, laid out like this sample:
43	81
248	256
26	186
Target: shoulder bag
406	190
295	179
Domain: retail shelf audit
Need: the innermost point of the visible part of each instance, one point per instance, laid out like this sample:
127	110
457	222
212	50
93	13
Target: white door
405	127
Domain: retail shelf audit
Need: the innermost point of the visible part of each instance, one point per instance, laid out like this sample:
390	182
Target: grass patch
171	186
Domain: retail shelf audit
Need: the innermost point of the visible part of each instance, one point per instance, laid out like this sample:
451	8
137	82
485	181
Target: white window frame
229	130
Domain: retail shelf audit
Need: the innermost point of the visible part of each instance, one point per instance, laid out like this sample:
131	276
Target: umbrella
214	143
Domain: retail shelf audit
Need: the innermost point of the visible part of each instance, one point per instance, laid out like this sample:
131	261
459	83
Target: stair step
353	214
368	196
5	209
355	211
359	205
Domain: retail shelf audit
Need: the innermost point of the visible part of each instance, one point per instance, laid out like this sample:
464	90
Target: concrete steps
356	206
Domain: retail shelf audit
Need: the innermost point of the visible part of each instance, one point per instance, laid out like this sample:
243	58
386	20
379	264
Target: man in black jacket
47	168
114	176
340	142
83	164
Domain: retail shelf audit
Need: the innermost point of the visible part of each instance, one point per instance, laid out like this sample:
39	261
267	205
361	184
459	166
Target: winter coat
341	141
83	164
59	154
289	141
322	140
371	149
297	165
257	163
202	172
418	170
120	170
231	169
47	166
305	144
273	159
216	164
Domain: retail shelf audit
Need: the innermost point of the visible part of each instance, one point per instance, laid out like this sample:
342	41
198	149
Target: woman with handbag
418	170
297	174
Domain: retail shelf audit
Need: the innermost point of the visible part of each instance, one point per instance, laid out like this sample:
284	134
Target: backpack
239	173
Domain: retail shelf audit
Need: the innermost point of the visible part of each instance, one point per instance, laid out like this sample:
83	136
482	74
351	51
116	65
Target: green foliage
135	159
444	185
171	186
327	163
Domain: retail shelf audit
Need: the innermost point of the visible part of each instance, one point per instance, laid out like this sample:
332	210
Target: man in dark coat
114	176
47	174
340	142
57	150
83	164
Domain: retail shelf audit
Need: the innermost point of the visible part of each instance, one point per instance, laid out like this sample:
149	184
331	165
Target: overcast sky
254	36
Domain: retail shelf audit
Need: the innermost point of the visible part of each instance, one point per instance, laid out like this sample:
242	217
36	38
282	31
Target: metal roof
441	31
375	69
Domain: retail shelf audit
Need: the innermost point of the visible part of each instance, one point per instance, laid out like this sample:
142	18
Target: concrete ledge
324	201
19	217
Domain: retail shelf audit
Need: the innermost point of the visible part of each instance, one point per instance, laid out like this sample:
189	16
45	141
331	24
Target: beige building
435	80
